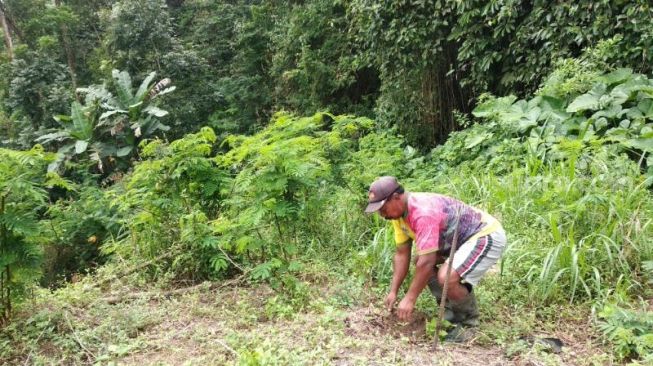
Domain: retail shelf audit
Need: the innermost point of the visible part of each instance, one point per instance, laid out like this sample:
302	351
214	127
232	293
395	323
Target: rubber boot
436	290
466	311
467	319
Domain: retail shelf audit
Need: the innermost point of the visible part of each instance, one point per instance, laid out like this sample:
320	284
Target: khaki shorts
476	256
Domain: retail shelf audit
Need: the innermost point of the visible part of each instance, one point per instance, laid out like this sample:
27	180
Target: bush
630	332
165	205
23	195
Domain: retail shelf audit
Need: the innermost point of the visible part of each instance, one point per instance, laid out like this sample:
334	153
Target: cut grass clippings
254	325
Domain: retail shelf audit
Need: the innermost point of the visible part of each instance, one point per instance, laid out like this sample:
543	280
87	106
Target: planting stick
445	288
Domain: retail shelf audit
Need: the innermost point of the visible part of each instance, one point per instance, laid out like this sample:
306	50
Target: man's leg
462	300
474	259
436	290
470	263
456	291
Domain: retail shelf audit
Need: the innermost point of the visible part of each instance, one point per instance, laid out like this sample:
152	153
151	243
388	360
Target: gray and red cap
380	190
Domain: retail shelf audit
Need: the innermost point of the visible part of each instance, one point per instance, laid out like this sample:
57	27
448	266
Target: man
430	221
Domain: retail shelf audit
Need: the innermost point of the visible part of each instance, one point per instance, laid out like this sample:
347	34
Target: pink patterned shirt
431	220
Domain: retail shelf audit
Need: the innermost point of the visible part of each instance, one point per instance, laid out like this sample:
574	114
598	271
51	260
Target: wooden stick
180	291
136	268
445	289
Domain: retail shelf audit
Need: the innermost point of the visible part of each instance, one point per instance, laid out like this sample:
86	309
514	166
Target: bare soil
201	332
240	326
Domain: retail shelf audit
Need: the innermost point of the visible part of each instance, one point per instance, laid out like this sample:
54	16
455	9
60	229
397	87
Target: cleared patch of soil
241	325
372	320
359	336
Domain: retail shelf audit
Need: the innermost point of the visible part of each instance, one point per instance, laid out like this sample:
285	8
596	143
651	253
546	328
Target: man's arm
400	265
423	271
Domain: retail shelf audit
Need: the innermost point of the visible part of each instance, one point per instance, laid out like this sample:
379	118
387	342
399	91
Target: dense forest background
409	64
200	140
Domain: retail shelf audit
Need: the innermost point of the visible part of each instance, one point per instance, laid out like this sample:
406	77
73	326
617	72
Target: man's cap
380	190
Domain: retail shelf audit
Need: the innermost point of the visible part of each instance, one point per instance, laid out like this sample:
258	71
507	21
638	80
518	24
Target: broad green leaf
474	140
104	149
80	146
644	144
62	119
493	106
646	132
135	105
124	151
590	100
619	96
611	112
123	83
529	119
646	107
548	103
617	133
144	87
583	102
600	124
155	111
82	128
617	76
110	113
55	136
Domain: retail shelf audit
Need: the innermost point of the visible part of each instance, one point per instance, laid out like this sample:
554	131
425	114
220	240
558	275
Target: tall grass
572	237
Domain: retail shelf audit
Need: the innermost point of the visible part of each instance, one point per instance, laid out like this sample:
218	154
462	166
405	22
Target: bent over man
429	221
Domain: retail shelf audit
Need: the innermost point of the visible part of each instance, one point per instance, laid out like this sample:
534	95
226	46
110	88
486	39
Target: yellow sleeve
400	235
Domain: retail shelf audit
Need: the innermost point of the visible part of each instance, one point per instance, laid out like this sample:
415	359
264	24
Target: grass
571	238
576	242
341	321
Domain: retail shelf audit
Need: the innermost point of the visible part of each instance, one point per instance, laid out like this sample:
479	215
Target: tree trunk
442	95
70	55
5	282
9	45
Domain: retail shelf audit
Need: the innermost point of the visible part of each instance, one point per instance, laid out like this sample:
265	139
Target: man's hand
390	300
405	309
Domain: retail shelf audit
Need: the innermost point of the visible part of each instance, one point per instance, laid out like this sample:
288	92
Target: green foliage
236	62
564	169
434	56
630	332
276	171
22	194
616	109
109	139
37	88
244	88
411	46
314	63
78	226
571	237
430	328
166	204
138	33
508	47
104	334
373	261
260	206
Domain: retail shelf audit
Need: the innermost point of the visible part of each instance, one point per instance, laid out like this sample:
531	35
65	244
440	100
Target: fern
22	182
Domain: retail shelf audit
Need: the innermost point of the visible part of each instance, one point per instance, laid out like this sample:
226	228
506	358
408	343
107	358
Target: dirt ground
234	328
334	324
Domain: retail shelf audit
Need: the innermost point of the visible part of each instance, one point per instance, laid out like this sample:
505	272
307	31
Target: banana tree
132	109
108	127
